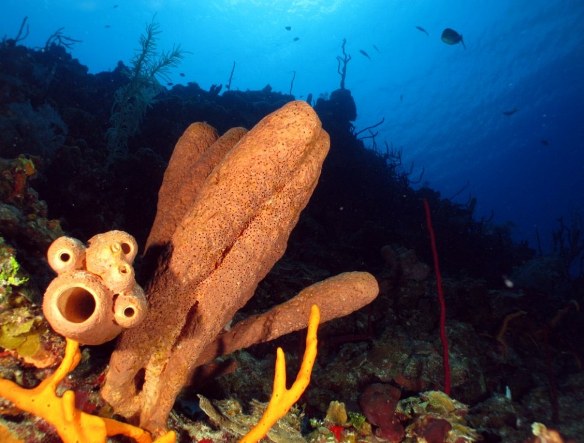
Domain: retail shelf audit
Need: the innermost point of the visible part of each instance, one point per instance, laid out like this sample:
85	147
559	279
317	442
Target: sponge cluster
95	295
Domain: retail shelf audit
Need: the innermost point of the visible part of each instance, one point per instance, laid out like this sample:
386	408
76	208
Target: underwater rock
403	263
340	107
378	402
38	130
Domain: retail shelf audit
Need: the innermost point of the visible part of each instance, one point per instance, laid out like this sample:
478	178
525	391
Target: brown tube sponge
110	255
234	224
180	184
79	306
66	254
231	236
336	297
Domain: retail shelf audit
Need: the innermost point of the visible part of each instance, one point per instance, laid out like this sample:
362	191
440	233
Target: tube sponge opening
76	304
130	308
66	254
79	306
110	255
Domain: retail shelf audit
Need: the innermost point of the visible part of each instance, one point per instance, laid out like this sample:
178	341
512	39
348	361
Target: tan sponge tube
95	294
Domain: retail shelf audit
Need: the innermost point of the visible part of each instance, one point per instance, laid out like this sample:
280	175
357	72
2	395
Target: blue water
443	105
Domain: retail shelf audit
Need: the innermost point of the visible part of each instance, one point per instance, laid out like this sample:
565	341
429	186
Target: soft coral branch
441	300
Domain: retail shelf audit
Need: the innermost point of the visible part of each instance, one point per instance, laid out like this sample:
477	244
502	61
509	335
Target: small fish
288	28
545	142
510	112
364	54
419	28
296	39
376	48
451	37
107	26
182	74
115	6
169	83
508	282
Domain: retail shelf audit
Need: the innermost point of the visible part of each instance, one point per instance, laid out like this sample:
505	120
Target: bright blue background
442	104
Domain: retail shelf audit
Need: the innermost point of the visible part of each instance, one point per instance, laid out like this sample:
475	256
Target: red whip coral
441	299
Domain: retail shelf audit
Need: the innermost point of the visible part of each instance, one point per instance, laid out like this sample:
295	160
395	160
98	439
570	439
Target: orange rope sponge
283	399
72	424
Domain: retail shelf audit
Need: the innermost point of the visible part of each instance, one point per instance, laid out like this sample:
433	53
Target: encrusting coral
237	219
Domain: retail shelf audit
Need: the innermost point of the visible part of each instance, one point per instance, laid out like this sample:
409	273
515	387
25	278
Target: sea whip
443	337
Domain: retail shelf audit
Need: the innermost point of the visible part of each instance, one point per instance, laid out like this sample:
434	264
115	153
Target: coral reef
23	216
37	131
25	232
23	331
513	369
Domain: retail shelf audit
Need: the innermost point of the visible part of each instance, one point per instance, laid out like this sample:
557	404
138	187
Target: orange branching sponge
72	424
283	399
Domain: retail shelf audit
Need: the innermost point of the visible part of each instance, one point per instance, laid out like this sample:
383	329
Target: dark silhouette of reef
364	215
52	109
